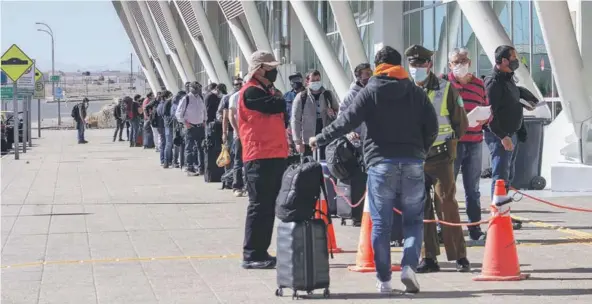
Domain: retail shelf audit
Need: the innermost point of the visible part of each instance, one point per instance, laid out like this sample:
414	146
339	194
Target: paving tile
24	249
67	246
107	245
102	218
123	283
68	284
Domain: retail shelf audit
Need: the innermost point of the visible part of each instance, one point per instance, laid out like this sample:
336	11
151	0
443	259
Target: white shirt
233	105
196	109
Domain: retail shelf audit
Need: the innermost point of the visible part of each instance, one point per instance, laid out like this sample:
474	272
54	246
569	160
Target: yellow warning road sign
38	75
15	62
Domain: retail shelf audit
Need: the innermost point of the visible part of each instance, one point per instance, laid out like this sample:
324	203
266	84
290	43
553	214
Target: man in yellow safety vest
439	169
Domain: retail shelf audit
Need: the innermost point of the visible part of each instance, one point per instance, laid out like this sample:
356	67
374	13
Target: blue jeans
80	128
468	161
401	184
161	143
135	124
194	154
168	146
502	161
237	165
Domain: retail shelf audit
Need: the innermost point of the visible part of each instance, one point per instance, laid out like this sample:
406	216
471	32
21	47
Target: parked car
7	130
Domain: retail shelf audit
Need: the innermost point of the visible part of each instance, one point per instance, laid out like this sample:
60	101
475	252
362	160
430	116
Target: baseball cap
259	59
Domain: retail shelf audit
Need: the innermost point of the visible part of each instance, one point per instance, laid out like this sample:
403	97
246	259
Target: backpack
301	187
343	160
326	94
75	112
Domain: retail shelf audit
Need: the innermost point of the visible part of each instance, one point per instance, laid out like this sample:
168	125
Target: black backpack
343	160
75	112
301	188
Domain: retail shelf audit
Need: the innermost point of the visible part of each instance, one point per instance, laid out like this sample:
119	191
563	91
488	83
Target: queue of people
411	126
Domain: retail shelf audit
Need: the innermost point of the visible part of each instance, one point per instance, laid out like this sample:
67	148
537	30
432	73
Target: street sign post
59	93
15	63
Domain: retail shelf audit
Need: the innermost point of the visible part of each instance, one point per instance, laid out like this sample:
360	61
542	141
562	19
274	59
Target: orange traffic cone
331	239
500	262
365	255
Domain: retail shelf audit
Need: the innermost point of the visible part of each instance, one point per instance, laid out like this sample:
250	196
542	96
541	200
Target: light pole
50	33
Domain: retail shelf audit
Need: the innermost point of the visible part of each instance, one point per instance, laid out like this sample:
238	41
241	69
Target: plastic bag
224	157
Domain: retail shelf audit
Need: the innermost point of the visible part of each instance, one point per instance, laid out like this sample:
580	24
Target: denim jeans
237	166
118	128
147	137
194	154
135	132
468	161
179	154
502	161
80	127
168	146
401	184
161	143
156	136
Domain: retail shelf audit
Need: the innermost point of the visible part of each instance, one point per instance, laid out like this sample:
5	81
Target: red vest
262	135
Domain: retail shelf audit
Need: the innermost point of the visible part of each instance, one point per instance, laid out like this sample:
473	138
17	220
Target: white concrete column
492	34
210	43
169	76
388	26
584	32
567	67
322	47
143	56
452	22
242	38
183	58
260	36
350	36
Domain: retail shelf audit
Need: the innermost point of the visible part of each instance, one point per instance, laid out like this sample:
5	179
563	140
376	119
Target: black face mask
296	85
514	65
271	75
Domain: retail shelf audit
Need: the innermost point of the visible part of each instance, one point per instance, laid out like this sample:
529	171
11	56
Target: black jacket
504	97
400	120
212	102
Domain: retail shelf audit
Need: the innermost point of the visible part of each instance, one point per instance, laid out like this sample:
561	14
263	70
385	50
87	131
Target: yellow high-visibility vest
439	99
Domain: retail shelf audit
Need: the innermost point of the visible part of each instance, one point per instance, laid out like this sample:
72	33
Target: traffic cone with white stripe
365	255
500	262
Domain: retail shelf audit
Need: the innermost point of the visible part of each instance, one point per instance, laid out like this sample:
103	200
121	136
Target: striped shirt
473	95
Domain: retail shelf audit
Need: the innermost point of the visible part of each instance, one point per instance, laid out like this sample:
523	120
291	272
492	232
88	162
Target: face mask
296	85
271	75
418	74
315	85
460	70
237	87
195	91
514	64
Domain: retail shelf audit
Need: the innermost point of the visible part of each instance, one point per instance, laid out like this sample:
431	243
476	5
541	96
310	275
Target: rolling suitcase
302	257
330	183
212	173
352	190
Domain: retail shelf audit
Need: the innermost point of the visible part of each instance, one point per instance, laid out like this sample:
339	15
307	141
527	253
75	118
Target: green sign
54	78
6	93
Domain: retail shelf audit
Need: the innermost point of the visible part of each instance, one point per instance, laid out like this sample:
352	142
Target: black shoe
113	139
463	265
165	166
192	173
428	265
476	234
121	139
357	223
267	264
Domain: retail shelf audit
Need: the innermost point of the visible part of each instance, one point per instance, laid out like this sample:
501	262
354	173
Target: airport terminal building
208	41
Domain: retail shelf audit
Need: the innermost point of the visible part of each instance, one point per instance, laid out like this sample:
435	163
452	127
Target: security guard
439	162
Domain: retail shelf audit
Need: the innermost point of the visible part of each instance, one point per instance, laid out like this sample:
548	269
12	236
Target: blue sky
88	34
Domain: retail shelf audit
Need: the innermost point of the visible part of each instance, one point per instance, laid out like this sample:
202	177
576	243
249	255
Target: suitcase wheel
279	292
326	293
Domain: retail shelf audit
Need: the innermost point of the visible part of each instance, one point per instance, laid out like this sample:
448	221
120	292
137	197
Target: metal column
492	34
260	36
242	38
169	76
322	47
348	29
568	69
136	39
210	43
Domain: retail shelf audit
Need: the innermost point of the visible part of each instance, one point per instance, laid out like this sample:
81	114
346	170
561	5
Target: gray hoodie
348	100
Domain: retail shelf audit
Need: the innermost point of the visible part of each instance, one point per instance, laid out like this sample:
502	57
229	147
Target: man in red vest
262	132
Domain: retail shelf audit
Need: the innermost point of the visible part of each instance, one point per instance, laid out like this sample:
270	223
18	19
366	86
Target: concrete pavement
104	223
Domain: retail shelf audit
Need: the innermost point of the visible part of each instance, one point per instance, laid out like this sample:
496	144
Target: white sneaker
384	287
409	280
238	193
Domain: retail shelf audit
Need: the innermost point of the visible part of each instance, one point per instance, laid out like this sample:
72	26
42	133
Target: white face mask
418	74
460	70
315	85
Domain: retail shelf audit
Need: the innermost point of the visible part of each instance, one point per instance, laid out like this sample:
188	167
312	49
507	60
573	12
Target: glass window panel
521	29
415	28
355	7
469	41
406	29
502	9
485	68
367	35
541	70
440	47
428	28
331	25
363	12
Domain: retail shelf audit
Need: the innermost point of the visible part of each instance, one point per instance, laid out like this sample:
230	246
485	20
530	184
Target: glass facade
442	27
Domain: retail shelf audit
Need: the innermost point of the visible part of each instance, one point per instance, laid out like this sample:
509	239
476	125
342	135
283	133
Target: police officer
453	122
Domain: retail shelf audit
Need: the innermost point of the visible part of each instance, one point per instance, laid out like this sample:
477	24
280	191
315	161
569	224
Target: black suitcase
302	257
354	191
212	173
330	183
